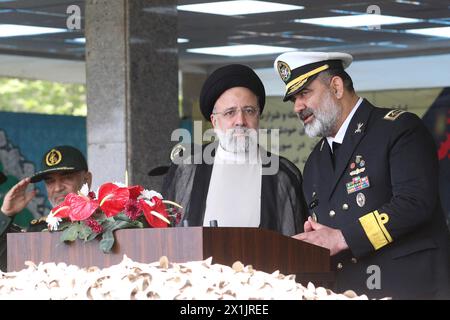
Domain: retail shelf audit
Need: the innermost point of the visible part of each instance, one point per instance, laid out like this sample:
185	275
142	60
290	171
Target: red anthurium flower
155	213
81	207
112	198
62	210
135	191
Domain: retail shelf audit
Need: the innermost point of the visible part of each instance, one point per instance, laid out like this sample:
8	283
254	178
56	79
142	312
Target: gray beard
325	118
238	144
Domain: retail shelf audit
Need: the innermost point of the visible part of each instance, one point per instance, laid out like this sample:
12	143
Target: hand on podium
320	235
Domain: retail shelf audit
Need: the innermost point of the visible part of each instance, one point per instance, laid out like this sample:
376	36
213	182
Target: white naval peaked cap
299	68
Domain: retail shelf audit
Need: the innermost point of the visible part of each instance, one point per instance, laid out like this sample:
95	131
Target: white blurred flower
84	190
53	222
149	194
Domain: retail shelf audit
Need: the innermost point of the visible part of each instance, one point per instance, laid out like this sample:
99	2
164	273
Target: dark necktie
335	153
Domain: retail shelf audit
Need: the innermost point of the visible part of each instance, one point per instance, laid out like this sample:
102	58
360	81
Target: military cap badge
53	157
284	70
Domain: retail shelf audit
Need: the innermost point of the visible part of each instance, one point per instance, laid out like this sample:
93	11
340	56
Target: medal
361	199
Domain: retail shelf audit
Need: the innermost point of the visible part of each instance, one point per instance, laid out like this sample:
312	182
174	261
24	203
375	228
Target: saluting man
371	183
64	170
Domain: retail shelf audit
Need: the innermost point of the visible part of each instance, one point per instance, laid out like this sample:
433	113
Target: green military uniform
58	159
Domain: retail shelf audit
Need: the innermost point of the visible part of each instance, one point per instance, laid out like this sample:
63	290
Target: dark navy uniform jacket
383	196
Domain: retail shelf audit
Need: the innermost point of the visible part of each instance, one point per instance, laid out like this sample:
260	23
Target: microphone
213	223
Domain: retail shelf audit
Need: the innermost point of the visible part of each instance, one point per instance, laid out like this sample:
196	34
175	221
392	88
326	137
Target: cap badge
284	70
53	158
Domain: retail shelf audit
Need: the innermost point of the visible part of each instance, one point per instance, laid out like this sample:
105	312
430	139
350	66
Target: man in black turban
234	180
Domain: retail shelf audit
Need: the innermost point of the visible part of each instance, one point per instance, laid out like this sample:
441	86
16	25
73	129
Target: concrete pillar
132	88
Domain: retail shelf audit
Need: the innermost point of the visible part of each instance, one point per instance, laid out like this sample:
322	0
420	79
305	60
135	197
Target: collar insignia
358	130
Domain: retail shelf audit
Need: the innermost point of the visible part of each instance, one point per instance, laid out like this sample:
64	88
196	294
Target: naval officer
371	183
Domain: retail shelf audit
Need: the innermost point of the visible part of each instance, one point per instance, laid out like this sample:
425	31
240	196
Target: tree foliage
37	96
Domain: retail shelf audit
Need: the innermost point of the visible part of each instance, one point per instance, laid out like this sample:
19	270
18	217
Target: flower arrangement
86	215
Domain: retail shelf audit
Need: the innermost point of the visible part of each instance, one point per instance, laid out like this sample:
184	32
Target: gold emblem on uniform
284	70
393	114
53	157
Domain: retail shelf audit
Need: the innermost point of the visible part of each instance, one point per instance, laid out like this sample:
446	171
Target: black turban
224	78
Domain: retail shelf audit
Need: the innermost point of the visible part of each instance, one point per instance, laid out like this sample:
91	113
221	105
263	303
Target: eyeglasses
248	112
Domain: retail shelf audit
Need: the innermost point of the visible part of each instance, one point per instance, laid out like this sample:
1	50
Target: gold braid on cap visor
300	80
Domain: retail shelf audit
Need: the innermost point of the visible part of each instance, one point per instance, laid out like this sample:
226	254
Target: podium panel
265	250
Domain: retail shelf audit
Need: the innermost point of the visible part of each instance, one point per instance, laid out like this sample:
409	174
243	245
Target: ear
213	120
337	87
88	178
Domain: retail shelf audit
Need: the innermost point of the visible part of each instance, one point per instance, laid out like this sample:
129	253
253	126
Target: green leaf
64	225
108	224
84	232
124	225
71	233
123	217
92	236
107	241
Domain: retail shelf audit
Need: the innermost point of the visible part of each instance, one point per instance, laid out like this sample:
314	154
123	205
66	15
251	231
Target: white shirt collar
339	137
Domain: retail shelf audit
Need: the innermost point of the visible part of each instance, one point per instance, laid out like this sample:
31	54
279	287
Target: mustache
238	130
58	195
304	114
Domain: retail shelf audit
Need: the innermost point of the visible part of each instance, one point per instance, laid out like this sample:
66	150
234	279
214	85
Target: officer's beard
326	116
238	140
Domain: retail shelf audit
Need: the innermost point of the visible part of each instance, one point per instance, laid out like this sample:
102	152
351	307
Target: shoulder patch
393	114
177	151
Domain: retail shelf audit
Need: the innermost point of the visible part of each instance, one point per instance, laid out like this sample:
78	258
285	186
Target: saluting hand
323	236
17	198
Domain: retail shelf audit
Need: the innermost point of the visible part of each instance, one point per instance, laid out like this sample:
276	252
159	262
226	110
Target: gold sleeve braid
373	225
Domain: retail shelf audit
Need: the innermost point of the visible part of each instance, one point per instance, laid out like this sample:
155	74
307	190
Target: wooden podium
265	250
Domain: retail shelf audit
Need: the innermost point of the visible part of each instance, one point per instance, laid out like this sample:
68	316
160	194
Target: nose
299	104
58	186
240	119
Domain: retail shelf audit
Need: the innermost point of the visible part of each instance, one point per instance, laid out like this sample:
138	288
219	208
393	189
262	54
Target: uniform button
332	213
339	266
345	206
314	194
354	260
314	216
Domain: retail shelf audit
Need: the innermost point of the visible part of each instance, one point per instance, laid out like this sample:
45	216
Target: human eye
230	113
250	111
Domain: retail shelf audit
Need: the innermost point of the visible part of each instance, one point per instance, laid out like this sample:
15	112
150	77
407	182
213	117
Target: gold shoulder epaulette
39	220
393	114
